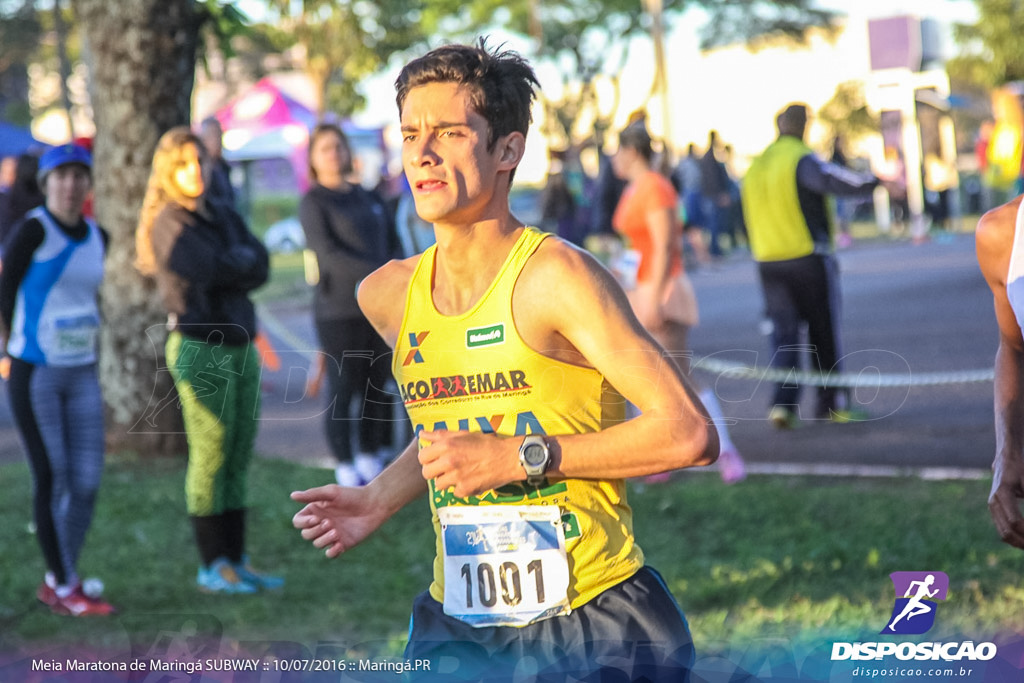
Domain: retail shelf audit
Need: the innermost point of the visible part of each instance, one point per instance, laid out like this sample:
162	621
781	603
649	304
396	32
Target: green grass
268	209
287	279
773	557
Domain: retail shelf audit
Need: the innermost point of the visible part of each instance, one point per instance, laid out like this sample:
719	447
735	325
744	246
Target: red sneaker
46	595
78	604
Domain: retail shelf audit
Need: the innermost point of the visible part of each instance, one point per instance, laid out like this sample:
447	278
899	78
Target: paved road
920	312
913	311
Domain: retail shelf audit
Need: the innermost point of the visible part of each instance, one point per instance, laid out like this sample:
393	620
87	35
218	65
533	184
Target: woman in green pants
206	262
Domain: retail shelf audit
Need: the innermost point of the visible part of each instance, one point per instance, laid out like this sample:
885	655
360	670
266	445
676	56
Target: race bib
504	565
73	337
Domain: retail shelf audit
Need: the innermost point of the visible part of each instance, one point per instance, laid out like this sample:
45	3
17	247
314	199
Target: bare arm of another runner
994	241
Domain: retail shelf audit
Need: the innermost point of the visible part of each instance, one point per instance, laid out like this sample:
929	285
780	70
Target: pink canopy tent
266	124
263	108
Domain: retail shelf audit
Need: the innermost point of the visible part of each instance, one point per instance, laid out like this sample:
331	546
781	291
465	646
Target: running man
1000	249
525	473
914	606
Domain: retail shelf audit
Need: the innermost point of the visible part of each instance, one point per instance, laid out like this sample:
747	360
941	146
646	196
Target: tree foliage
19	35
345	41
992	51
847	112
583	37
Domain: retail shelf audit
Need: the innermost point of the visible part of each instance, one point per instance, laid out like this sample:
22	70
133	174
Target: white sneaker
367	467
345	474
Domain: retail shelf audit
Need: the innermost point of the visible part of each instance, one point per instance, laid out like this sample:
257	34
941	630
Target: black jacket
353	234
207	265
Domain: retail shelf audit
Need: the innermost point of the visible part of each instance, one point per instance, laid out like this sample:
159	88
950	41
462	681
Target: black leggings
357	368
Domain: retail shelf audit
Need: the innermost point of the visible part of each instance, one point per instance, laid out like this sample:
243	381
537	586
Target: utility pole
659	88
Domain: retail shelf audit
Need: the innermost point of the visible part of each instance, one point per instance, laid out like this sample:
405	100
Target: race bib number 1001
504	565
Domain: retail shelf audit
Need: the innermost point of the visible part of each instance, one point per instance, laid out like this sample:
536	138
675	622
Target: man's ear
512	147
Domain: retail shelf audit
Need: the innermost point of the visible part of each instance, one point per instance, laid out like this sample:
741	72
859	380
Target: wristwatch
535	457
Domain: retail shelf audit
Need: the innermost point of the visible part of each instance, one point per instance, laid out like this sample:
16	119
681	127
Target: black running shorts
631	632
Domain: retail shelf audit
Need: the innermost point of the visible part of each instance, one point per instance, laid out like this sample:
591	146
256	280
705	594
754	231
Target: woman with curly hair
205	262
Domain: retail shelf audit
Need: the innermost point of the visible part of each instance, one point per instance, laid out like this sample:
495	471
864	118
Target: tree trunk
141	74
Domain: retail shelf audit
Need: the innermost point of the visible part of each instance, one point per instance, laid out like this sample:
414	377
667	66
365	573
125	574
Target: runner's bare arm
382	294
593	325
338	518
994	241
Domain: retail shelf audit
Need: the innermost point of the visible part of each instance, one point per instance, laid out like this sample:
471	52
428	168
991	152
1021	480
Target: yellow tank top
473	372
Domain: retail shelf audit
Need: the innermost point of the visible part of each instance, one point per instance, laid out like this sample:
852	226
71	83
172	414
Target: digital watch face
534	455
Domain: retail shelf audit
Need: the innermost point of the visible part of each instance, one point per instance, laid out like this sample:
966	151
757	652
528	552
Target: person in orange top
661	294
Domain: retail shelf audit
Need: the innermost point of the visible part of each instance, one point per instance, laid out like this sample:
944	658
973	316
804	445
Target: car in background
285	236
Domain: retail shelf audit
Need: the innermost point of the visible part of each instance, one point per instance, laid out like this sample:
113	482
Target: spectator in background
790	232
714	188
7	172
893	175
607	191
687	181
844	206
663	298
733	224
219	188
940	179
558	207
22	196
981	143
86	143
352	234
206	262
49	308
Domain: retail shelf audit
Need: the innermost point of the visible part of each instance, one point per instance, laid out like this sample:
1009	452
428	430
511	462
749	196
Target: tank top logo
415	341
485	336
452	386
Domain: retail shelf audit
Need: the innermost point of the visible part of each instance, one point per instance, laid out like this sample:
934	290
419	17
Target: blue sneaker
221	577
258	579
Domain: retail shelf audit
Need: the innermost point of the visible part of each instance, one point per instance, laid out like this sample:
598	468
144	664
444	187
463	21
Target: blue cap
61	156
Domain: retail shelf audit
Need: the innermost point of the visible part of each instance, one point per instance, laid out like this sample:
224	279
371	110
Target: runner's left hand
469	462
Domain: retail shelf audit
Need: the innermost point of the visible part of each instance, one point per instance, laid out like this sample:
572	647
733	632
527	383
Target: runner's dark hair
500	83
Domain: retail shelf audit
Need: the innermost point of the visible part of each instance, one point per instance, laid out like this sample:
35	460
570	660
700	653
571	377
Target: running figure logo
914	611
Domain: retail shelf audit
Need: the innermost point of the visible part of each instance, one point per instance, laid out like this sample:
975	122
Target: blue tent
15	140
